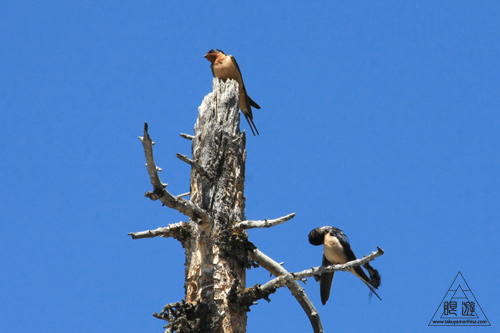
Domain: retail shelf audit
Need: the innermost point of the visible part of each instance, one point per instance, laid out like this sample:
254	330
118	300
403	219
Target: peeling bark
215	254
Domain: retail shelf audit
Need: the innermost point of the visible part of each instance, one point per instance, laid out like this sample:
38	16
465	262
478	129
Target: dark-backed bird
337	250
225	67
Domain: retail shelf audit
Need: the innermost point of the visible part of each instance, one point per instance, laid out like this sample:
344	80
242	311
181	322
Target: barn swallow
225	67
337	250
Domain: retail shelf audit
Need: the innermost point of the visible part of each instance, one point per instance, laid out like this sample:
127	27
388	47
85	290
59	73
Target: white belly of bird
333	250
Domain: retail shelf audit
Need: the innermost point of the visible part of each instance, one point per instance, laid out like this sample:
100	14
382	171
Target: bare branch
194	164
178	230
187	136
277	270
333	268
184	206
263	224
147	143
184	195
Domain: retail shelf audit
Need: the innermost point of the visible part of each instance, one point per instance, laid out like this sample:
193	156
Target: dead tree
215	240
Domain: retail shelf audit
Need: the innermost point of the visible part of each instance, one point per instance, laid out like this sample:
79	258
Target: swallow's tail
358	271
248	116
255	127
372	291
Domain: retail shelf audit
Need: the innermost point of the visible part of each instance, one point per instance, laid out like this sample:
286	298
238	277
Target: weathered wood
297	291
216	256
185	207
263	224
179	231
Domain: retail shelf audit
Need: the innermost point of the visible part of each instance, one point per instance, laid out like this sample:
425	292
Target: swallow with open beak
337	250
225	67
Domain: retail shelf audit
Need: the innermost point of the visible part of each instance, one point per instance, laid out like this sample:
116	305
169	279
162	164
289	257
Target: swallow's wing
250	101
350	256
325	283
358	270
236	64
250	122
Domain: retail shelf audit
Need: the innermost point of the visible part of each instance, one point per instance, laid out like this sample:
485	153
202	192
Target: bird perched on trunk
337	250
225	67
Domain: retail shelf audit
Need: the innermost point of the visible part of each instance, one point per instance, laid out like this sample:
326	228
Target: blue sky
381	119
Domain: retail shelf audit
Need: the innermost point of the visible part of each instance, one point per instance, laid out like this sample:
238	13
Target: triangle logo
459	307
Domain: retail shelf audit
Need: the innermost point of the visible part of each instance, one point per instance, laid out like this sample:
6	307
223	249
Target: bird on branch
337	250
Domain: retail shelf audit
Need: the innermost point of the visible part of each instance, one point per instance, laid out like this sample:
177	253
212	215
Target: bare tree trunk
215	255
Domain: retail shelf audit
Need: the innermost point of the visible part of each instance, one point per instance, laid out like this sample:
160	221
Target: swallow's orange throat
211	57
